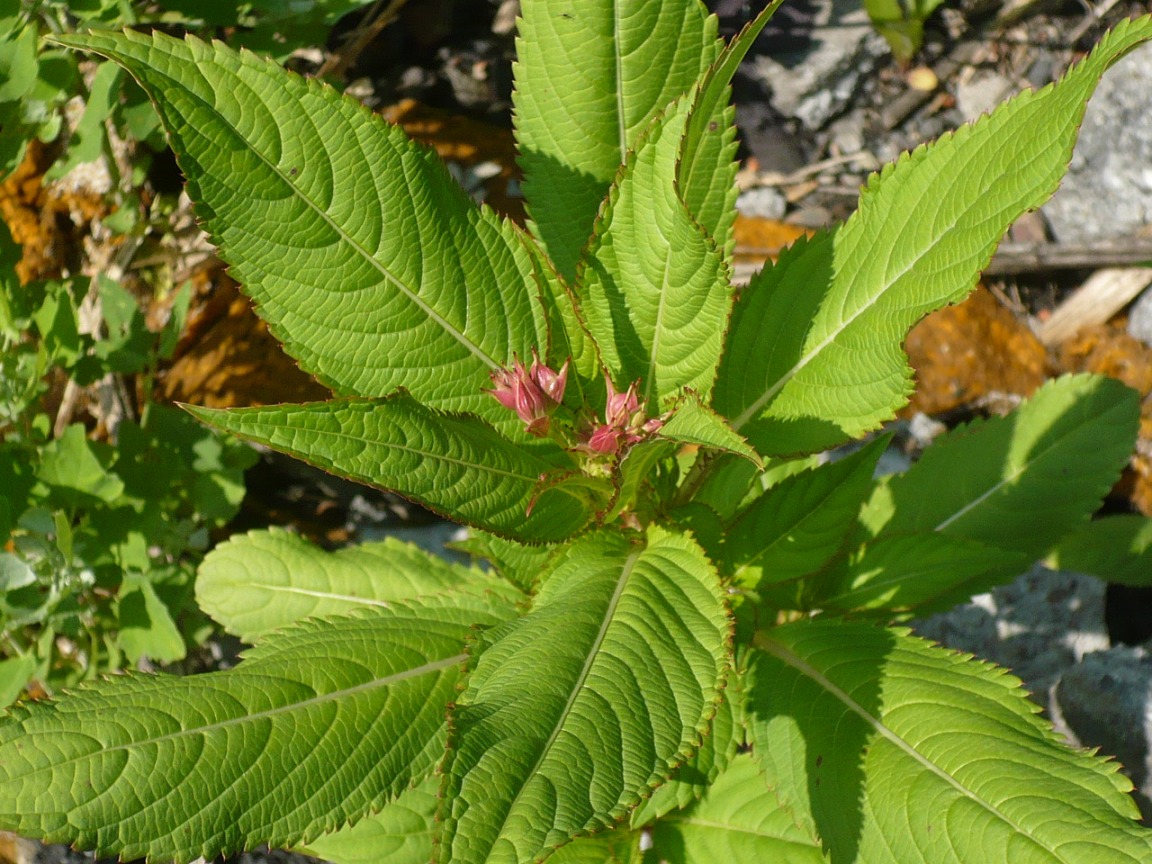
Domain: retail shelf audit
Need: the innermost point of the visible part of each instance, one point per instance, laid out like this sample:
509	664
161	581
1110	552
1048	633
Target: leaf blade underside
894	749
554	738
318	725
404	446
366	259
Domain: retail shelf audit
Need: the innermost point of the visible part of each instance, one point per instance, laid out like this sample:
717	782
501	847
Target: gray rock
1105	701
1038	626
818	84
764	202
1108	190
981	94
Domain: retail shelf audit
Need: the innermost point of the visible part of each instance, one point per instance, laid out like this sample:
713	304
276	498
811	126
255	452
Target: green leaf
366	259
897	750
653	287
455	465
739	819
635	469
691	780
588	82
614	847
1018	482
89	138
924	573
146	626
15	673
318	725
1117	549
813	355
263	580
558	737
401	833
799	524
73	464
519	564
693	423
706	172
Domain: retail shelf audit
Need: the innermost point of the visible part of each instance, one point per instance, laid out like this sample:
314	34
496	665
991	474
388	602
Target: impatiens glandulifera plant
685	645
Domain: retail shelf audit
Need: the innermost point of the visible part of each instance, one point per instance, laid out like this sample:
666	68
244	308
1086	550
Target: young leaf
263	580
707	166
588	82
366	259
653	286
454	464
834	311
556	737
894	749
1018	482
401	833
795	527
1118	548
739	819
694	423
318	725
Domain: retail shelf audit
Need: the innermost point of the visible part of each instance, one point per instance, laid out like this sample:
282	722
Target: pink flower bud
604	440
621	406
532	393
551	382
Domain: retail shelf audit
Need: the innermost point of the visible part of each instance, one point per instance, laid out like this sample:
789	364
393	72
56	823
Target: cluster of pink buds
625	423
533	393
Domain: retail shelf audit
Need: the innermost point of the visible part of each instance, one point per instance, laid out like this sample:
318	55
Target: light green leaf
1117	549
401	833
15	572
453	464
739	819
796	527
320	724
691	780
557	737
519	564
814	353
72	463
89	138
1018	482
924	573
693	423
588	82
263	580
707	166
898	750
15	673
146	625
366	259
653	287
614	847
